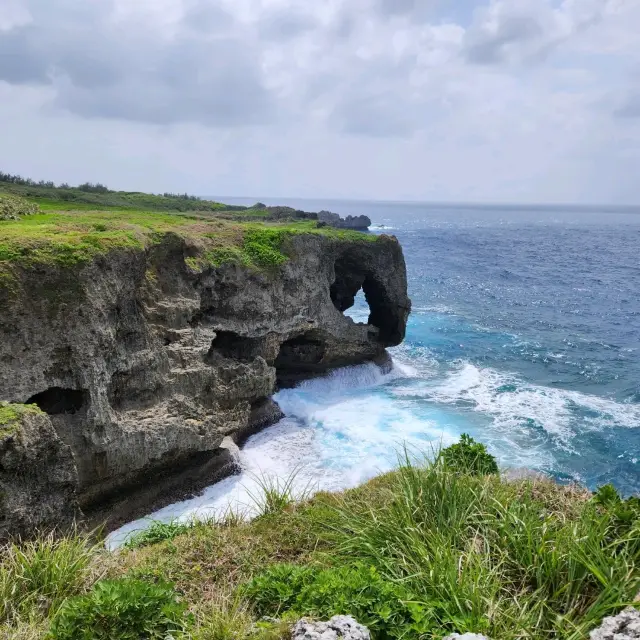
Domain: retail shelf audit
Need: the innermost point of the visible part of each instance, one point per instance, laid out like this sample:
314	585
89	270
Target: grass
10	415
37	577
72	198
67	239
433	548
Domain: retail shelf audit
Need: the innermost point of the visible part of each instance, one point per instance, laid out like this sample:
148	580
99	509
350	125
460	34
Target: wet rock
339	627
624	626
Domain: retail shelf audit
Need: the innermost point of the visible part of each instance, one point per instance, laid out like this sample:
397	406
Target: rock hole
350	278
301	353
56	400
229	344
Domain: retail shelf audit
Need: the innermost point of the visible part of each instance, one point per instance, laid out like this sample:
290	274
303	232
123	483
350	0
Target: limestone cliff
144	362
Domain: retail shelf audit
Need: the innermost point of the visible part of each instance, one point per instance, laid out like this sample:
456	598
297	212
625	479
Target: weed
125	609
157	532
36	577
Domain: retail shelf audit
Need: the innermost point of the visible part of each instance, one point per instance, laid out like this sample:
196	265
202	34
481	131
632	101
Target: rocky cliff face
144	365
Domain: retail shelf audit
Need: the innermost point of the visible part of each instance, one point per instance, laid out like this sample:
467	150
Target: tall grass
36	577
274	494
513	560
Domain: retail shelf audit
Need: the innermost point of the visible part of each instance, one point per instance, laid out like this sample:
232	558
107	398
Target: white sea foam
346	427
515	405
339	432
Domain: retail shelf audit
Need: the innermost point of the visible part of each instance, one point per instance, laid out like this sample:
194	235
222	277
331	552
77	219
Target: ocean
525	333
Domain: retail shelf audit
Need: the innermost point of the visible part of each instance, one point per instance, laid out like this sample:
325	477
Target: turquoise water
525	332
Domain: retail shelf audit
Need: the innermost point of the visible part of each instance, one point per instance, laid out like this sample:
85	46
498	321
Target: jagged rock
624	626
358	223
38	476
466	636
145	364
344	627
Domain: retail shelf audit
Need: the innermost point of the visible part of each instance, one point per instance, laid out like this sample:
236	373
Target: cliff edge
145	341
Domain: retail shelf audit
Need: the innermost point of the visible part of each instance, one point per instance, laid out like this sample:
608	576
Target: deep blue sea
525	333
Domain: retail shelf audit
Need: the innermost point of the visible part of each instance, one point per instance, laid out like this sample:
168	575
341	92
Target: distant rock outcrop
357	223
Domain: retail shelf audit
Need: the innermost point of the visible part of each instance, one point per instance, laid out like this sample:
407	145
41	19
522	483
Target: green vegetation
37	577
427	550
13	207
97	196
124	609
157	532
469	456
73	238
10	415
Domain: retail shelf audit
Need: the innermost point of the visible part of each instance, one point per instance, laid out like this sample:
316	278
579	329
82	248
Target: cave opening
298	357
230	344
56	400
349	281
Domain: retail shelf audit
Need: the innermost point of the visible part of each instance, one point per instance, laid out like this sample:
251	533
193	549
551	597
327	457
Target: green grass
10	415
76	199
69	238
157	532
37	577
430	549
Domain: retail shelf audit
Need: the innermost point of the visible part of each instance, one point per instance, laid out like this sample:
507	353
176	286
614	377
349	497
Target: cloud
103	66
499	99
526	31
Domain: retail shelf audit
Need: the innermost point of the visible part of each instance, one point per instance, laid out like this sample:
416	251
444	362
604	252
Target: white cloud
516	100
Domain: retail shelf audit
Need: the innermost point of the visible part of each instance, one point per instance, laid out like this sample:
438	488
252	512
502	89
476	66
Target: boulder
339	627
38	476
624	626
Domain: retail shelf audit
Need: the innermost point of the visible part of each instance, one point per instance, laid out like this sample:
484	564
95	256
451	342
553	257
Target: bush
125	609
13	207
357	590
469	456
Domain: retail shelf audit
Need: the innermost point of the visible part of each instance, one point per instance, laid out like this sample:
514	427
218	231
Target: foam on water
517	407
339	431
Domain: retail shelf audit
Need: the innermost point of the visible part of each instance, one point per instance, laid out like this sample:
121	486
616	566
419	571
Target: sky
432	100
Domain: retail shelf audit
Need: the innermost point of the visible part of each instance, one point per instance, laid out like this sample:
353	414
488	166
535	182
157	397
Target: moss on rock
10	415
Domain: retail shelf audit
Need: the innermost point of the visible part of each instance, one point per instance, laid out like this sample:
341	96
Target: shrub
13	207
624	514
157	532
124	609
360	591
276	590
469	456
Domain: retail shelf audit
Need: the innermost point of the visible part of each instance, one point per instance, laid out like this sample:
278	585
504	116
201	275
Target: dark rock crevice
230	344
56	400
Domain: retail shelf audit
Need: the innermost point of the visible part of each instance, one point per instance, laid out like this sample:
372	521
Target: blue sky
487	100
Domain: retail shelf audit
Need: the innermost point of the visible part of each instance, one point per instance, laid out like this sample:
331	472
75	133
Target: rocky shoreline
141	365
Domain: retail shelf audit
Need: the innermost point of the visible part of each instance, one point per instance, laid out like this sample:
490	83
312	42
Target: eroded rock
144	364
339	627
624	626
38	477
